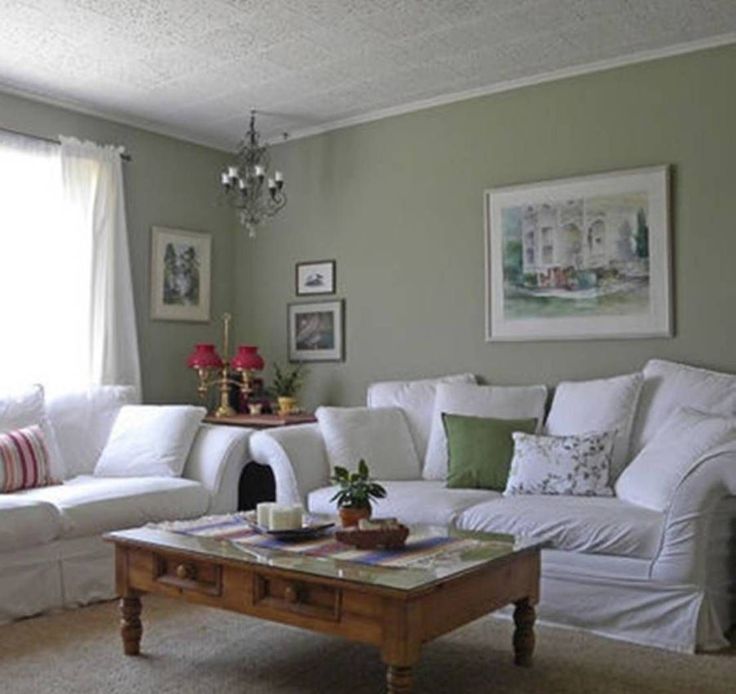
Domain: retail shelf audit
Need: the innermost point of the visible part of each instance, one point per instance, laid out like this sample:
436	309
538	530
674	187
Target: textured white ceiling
194	68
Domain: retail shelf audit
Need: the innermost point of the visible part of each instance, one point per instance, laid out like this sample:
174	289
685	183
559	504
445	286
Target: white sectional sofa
51	551
663	578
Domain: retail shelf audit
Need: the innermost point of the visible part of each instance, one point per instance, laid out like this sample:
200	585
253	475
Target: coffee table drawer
188	574
303	597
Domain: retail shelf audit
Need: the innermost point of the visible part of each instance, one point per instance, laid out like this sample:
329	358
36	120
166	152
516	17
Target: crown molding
552	76
222	145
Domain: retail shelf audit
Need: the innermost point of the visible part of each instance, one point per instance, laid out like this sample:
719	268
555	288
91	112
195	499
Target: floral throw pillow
572	465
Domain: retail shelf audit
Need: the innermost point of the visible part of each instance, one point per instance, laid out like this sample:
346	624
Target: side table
257	483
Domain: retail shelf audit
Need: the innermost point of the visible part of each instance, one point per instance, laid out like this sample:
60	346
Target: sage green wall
168	183
398	203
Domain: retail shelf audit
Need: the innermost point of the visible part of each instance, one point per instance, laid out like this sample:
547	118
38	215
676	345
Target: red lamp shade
204	357
247	359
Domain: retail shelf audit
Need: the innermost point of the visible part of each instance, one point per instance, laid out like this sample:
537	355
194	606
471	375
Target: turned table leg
524	617
399	679
131	628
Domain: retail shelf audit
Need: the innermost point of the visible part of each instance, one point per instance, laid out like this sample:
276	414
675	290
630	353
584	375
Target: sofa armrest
696	509
297	457
217	458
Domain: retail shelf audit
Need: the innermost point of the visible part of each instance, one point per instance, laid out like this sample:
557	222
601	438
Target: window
45	271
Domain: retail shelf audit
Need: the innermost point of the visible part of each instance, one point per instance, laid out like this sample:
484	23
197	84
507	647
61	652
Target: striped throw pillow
23	459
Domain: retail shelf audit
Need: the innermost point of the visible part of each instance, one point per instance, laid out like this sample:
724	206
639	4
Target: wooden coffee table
395	609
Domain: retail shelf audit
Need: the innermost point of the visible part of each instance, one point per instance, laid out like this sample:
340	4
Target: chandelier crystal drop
247	184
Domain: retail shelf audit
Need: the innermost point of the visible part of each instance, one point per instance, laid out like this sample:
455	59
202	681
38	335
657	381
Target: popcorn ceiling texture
193	68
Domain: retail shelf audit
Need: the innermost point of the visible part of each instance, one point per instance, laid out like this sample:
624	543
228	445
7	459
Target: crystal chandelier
247	185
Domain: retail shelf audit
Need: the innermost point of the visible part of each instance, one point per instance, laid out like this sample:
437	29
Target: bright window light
45	278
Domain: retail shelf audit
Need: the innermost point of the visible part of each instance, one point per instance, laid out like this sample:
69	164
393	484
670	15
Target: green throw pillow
480	450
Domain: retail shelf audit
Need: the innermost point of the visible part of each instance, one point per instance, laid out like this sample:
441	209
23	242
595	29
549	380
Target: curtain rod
123	156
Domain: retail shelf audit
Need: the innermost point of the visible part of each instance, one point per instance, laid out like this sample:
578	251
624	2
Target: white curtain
92	184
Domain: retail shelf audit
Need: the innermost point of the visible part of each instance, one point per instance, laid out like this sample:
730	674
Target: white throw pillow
150	441
606	404
572	465
498	402
416	398
83	421
24	409
652	477
379	435
668	386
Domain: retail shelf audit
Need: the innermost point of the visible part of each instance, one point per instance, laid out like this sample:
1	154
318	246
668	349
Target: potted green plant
355	493
286	385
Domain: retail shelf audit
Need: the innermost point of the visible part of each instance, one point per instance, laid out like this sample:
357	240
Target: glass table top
432	554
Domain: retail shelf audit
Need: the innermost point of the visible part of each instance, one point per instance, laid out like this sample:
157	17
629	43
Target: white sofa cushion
26	408
416	398
606	404
471	400
561	465
150	440
93	505
668	386
653	476
416	501
380	436
589	524
83	421
26	522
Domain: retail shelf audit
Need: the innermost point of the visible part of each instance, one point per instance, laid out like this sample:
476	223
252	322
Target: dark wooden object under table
257	483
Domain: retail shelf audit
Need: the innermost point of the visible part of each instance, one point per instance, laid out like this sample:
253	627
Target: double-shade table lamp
213	370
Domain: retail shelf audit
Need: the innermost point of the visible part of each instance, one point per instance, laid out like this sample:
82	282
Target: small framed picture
315	277
316	331
180	275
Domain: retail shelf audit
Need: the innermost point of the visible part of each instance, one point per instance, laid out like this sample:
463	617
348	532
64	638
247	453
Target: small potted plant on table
286	384
355	493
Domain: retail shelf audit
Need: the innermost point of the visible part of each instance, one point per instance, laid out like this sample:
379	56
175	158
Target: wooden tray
390	538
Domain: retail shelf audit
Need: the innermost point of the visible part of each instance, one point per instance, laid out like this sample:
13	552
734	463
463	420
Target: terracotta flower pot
351	516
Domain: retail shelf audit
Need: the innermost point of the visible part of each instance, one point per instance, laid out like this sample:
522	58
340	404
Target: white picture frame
180	275
581	258
316	331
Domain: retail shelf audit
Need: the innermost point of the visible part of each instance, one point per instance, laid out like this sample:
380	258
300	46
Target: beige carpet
194	649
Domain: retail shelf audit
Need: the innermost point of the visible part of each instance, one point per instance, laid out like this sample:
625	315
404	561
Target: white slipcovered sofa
663	578
51	551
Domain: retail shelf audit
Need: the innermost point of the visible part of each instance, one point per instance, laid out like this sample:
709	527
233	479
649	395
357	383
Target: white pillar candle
297	511
281	518
263	511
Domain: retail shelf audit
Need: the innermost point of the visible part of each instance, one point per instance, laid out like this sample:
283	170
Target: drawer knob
291	593
186	571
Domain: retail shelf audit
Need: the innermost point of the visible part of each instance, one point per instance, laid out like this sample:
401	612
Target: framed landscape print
315	277
180	275
579	258
316	331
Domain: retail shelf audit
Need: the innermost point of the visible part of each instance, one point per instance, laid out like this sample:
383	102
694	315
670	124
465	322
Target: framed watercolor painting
180	275
579	258
316	331
315	277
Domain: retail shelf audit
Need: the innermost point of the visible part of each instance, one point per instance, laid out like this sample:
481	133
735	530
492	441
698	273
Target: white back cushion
83	421
501	402
668	386
25	408
416	398
378	435
653	476
606	404
150	441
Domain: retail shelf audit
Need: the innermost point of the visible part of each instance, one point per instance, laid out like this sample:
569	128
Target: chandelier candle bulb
260	172
271	183
225	179
232	171
278	177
